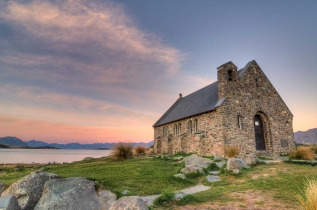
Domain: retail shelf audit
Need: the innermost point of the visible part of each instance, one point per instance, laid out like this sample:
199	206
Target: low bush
308	198
194	175
122	151
302	153
187	199
231	151
213	167
138	150
314	148
165	197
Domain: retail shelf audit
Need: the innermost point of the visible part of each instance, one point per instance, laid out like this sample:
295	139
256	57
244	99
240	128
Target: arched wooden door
259	133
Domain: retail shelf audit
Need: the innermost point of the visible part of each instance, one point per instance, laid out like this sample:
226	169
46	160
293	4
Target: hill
306	137
12	141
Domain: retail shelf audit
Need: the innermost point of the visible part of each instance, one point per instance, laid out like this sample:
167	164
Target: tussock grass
139	150
308	197
122	151
303	153
231	151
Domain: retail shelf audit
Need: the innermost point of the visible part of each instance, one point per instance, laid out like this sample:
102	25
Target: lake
48	155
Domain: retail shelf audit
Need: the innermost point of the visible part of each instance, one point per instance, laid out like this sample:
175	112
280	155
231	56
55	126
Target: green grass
141	176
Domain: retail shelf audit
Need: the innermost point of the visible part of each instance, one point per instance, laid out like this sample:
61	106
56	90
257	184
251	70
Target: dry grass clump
231	151
314	148
150	150
302	153
138	150
122	151
308	198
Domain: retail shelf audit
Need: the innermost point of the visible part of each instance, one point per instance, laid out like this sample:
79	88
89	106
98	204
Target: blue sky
95	71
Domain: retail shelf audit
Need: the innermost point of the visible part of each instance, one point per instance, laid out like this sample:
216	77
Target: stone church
241	109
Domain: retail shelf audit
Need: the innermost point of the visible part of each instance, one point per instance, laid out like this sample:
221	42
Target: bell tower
227	77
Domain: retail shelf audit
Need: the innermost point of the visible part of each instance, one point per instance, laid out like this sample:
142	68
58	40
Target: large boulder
235	163
9	202
197	161
192	169
2	187
28	190
70	193
129	203
106	199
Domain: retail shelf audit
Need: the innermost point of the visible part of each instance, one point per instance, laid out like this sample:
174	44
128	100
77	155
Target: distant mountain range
16	142
306	137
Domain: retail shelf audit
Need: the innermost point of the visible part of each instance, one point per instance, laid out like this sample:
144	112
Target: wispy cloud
85	63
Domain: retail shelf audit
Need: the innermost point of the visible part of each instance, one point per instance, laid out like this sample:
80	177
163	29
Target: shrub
150	150
165	198
122	151
139	150
303	153
231	151
213	167
314	148
308	198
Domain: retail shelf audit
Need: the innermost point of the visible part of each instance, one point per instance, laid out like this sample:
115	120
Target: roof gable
200	101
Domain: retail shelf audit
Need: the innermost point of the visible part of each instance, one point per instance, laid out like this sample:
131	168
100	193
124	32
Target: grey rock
234	163
192	169
178	158
197	161
129	203
182	176
2	187
213	178
70	193
235	171
250	158
9	202
125	192
214	172
28	190
217	157
106	199
220	163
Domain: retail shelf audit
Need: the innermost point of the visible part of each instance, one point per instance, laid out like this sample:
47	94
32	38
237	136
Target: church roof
198	102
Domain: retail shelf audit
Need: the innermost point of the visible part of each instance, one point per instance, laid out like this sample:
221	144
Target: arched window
179	128
163	131
195	125
230	72
175	129
190	126
239	122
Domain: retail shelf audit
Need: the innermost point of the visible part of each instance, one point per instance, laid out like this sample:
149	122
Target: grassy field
276	184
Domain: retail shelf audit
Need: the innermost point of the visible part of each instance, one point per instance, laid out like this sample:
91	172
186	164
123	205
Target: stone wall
246	96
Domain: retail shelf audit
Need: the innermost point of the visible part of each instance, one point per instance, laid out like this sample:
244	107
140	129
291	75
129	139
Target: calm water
48	155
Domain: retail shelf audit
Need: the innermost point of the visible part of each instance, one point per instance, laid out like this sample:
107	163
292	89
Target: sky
104	71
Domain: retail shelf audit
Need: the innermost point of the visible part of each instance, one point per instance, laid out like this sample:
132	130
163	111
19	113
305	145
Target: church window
175	129
190	126
256	82
179	128
230	75
239	121
195	125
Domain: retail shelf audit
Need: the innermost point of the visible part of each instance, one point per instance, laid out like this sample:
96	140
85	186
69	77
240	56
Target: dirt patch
254	200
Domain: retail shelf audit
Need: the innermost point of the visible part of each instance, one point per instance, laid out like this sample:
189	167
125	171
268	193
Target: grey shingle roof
200	101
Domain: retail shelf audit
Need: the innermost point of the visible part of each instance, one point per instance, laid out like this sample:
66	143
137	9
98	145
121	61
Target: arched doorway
259	133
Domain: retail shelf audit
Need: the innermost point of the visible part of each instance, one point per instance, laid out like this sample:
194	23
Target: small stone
213	178
181	176
235	163
221	163
217	157
88	158
125	192
9	202
214	172
235	171
129	203
178	158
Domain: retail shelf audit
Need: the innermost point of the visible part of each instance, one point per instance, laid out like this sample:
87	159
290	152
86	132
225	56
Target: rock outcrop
129	203
106	199
197	161
9	202
70	193
28	190
235	163
192	169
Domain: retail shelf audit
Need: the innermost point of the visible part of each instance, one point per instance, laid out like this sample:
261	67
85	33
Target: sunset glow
102	71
